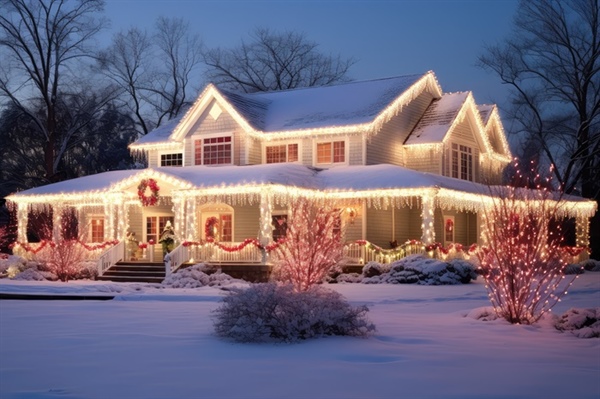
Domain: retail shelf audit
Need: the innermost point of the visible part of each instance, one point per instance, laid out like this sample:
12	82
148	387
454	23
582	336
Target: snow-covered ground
159	343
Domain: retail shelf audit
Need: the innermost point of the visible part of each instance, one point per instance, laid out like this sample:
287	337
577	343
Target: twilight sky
388	38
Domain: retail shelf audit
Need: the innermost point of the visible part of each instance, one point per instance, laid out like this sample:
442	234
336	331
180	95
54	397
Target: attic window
215	111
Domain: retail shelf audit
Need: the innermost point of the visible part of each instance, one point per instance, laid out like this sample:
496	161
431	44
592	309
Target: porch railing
211	252
110	257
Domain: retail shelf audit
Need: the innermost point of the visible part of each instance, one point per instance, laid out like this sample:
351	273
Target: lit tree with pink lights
521	259
65	257
313	244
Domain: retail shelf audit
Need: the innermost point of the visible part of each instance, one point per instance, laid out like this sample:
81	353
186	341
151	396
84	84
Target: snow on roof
162	133
438	118
100	182
223	176
312	107
485	110
385	176
318	107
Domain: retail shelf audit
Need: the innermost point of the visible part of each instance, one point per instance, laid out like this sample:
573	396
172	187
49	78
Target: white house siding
379	226
423	159
355	149
153	160
386	145
353	229
136	222
307	151
465	226
253	148
407	224
207	125
245	222
462	134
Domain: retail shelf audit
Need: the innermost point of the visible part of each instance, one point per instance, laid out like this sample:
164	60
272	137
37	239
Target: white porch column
109	221
179	219
122	220
190	218
22	219
266	211
57	213
582	234
427	217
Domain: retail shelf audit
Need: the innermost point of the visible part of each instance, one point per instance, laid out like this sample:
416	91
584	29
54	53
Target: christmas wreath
148	200
210	228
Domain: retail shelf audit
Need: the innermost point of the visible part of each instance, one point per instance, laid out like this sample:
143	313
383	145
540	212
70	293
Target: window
448	229
155	225
97	229
226	227
462	162
331	152
282	153
171	159
213	151
279	223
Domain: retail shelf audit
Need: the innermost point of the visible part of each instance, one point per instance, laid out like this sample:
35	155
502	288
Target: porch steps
135	272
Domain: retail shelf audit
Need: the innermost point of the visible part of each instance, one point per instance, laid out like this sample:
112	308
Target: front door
154	227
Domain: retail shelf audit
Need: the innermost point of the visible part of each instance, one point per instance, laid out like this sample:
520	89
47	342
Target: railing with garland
30	250
248	251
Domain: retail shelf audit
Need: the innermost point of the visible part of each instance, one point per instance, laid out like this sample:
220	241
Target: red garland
152	199
52	244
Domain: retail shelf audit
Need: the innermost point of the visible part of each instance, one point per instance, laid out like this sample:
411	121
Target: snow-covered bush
591	265
198	276
12	265
373	269
414	269
33	274
272	312
573	268
583	323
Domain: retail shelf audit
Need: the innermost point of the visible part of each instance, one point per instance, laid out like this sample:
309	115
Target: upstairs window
462	162
331	152
171	159
213	151
282	153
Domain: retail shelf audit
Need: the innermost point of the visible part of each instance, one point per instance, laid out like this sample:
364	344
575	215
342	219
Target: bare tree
43	44
154	71
275	61
552	64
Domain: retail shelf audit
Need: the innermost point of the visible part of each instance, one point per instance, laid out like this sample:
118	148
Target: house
404	160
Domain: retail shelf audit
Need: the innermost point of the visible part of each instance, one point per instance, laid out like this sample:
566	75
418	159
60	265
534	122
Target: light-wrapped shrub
273	312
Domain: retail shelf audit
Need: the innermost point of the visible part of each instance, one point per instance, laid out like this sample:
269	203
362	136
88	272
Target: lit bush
272	312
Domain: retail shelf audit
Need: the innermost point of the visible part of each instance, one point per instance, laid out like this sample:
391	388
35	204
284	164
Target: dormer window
281	153
331	152
462	162
213	151
175	159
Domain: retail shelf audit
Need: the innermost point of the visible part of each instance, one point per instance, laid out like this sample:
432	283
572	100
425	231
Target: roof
348	104
485	110
319	107
349	181
436	122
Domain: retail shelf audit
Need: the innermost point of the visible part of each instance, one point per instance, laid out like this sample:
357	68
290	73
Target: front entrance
155	225
217	222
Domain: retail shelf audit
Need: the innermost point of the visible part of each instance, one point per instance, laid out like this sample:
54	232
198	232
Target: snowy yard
159	343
